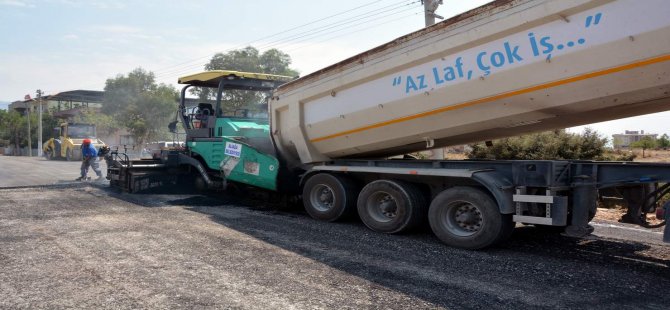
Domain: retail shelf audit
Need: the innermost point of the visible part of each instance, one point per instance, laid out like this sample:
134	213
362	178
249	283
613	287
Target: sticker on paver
233	149
251	167
227	165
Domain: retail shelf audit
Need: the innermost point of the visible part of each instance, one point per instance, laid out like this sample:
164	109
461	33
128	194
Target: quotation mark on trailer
591	18
487	61
548	47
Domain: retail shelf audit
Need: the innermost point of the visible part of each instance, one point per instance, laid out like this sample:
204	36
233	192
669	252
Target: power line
201	62
316	21
343	22
350	26
187	66
279	33
310	33
352	32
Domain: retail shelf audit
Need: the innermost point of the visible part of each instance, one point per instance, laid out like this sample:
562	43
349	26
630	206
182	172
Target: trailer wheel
469	218
328	197
391	206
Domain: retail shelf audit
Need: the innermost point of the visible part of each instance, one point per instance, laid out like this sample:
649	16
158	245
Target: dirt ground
615	214
653	156
85	246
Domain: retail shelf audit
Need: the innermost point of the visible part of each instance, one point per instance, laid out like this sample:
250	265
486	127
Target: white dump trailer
507	68
504	69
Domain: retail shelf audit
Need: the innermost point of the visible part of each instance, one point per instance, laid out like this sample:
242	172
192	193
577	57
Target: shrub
550	145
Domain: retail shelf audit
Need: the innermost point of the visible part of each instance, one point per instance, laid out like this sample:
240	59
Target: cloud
108	5
78	68
329	52
102	5
117	29
147	37
17	3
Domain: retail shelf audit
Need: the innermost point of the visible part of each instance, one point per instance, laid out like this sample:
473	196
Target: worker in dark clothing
89	157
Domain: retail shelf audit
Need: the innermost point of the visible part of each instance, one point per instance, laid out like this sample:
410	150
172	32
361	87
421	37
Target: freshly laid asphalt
82	245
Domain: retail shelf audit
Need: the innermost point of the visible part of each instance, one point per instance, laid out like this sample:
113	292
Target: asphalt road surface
28	171
82	245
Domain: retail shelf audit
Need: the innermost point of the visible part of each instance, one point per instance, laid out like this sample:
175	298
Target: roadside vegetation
248	59
551	145
137	103
14	129
647	143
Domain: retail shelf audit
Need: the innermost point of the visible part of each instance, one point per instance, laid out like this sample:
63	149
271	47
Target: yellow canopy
212	78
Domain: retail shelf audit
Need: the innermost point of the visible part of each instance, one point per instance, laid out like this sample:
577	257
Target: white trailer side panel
508	68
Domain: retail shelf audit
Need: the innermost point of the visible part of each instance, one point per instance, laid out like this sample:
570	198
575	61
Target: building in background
625	139
65	105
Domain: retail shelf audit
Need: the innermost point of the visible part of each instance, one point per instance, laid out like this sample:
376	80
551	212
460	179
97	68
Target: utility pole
30	145
429	7
39	127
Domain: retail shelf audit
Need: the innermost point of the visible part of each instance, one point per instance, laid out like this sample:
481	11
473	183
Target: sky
59	45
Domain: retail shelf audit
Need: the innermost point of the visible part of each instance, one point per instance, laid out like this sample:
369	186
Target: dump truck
507	68
67	140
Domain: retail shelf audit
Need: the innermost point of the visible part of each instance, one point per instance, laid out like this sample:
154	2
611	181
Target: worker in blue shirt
89	158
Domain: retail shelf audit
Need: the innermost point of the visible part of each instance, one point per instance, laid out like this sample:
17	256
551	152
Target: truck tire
329	197
469	218
390	206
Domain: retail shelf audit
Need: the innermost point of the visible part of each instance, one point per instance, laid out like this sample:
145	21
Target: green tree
274	61
140	105
4	130
248	59
645	143
3	116
14	129
664	141
123	91
591	144
557	145
106	125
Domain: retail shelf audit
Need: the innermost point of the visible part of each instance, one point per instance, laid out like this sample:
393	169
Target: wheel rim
382	207
461	218
322	197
